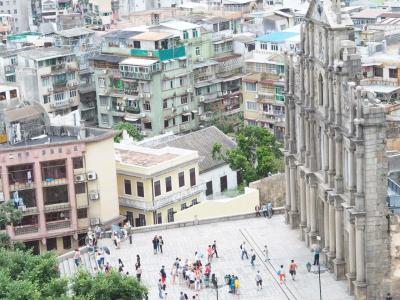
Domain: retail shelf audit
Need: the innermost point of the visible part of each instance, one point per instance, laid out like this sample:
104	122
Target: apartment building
264	102
50	77
98	14
145	78
154	184
81	42
50	9
53	176
20	11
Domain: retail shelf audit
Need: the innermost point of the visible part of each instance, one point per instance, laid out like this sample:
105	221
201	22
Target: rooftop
201	141
45	53
114	59
277	36
179	25
283	245
138	61
153	36
121	34
75	32
144	157
369	13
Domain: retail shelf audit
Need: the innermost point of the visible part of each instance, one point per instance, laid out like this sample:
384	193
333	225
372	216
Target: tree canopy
131	129
25	276
8	215
256	156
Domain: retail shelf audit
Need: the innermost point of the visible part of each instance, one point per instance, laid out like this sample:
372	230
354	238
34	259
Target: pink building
57	178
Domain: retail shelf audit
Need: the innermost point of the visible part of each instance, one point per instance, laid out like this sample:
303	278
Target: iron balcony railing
162	201
26	229
58	225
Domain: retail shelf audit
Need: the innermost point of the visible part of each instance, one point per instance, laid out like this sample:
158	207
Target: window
198	51
195	33
181	177
165	103
184	99
185	118
224	183
185	35
51	244
46	99
72	93
67	242
140	189
168	184
147	125
80	188
102	82
104	118
159	218
82	213
251	86
77	162
194	202
393	73
71	76
209	188
45	81
128	187
59	97
274	47
166	123
321	90
183	206
251	123
192	177
170	215
157	188
378	72
146	106
136	44
251	105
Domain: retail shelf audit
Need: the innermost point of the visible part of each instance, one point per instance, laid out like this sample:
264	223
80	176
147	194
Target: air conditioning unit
104	71
94	221
189	90
225	92
80	178
22	208
140	95
150	54
173	109
202	98
108	107
91	176
143	115
203	118
219	94
50	90
256	96
94	196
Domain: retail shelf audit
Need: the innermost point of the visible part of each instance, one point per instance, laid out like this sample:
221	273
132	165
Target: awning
382	89
371	64
194	111
187	114
130	119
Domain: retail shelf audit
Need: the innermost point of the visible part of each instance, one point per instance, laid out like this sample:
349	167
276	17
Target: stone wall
272	189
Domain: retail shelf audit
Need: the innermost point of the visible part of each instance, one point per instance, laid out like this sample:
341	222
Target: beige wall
100	158
271	189
241	204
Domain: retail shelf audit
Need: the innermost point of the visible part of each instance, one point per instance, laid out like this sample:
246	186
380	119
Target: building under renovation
335	151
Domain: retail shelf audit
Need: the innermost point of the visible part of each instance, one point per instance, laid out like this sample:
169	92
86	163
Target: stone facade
335	151
272	189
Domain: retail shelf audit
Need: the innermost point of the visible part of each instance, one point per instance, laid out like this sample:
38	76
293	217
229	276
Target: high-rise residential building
21	12
50	77
53	176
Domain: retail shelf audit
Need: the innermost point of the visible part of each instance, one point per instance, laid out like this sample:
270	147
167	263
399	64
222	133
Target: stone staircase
67	267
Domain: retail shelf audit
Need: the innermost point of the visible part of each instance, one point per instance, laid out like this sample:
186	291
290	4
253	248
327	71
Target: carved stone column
326	225
326	157
293	214
339	166
332	231
331	172
313	212
339	260
360	205
351	275
303	208
352	174
360	286
287	177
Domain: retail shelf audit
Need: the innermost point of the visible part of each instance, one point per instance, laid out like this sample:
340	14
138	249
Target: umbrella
106	250
116	228
316	247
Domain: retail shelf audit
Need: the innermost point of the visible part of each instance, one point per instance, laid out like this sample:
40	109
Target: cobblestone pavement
282	242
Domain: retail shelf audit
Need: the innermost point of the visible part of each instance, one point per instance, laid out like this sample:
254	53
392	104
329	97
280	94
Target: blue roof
277	36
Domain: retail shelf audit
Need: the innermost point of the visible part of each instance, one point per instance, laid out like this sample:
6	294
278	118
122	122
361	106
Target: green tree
257	153
107	286
8	215
131	129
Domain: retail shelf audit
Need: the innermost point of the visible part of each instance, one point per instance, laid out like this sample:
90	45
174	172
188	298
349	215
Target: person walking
258	281
214	247
160	244
163	275
77	258
182	297
120	265
282	275
237	286
253	257
317	250
244	251
292	269
137	259
270	210
266	253
155	246
138	272
160	289
210	253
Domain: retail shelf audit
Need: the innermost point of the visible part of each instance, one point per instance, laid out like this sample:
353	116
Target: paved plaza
282	242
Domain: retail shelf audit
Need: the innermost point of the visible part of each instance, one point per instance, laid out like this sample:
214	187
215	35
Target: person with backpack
282	275
244	251
292	269
237	285
163	275
258	281
253	257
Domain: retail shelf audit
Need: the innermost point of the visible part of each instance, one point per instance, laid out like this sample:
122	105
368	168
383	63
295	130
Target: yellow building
154	184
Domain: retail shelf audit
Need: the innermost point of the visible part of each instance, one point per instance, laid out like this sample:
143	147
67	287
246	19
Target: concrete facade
336	163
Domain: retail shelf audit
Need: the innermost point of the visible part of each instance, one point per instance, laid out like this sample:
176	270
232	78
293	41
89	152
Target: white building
20	11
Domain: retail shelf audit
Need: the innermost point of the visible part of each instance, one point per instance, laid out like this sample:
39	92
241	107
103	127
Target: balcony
161	201
56	207
58	68
9	70
27	211
55	225
26	229
133	75
62	103
17	186
163	55
132	110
